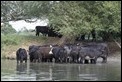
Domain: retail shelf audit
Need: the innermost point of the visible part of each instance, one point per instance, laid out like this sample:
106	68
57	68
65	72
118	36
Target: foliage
23	10
9	39
75	18
7	29
71	18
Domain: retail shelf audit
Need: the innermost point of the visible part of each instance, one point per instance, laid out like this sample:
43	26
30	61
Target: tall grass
11	42
10	39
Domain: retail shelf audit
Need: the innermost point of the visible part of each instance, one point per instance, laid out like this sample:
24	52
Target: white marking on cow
51	46
79	59
50	52
87	57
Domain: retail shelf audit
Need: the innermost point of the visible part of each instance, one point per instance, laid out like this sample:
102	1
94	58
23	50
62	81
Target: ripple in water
88	77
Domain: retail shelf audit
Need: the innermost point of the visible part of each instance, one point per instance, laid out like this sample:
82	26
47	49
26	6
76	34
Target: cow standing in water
21	55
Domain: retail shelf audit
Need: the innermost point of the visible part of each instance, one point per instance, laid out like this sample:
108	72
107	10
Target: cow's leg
26	61
17	60
51	59
104	59
80	60
21	61
31	59
45	59
86	61
34	60
39	60
56	60
37	33
93	61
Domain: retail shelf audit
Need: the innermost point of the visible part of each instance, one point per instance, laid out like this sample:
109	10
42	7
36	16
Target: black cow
74	54
21	55
86	54
59	54
94	51
34	53
82	36
53	33
43	29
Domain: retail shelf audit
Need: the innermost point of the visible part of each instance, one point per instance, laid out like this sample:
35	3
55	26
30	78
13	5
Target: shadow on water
60	72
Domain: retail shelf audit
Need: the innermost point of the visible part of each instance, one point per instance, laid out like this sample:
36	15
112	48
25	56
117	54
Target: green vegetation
11	42
70	18
7	29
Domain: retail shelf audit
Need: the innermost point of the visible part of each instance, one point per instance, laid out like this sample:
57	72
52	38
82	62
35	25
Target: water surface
10	71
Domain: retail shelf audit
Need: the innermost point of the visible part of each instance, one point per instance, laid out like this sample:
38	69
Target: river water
10	71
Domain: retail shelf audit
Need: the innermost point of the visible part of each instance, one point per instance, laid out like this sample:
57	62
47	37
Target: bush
7	29
9	39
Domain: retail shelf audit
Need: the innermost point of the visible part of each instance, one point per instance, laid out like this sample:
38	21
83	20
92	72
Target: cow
59	54
82	36
74	53
40	53
53	33
43	29
21	55
94	51
34	53
86	54
46	53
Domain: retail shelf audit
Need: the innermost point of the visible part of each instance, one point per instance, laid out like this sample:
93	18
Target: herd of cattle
68	53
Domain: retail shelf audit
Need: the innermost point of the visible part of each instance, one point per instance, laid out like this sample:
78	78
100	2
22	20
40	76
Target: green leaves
7	29
74	18
68	17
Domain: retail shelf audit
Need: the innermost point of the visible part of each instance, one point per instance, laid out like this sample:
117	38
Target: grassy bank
11	42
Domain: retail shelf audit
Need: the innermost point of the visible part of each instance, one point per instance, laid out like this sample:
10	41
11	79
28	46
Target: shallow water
10	71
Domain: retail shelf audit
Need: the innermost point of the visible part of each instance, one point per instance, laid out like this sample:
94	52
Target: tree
70	18
81	17
23	10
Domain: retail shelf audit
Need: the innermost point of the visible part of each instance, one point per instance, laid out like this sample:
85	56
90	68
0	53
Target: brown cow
46	54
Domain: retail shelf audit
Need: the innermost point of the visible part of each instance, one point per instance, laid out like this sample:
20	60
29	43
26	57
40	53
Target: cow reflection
21	68
41	71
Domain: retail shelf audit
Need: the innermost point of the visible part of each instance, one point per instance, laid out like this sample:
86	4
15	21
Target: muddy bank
10	51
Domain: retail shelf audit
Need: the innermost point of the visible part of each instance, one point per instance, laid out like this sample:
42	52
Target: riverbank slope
10	44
